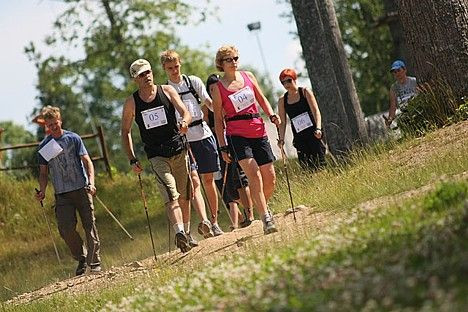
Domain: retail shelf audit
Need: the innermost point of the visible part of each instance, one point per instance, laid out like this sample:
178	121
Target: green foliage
434	107
13	135
109	35
446	195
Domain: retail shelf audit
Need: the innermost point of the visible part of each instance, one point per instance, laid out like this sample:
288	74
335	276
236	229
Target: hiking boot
192	242
182	242
204	228
245	223
216	229
81	268
96	268
269	224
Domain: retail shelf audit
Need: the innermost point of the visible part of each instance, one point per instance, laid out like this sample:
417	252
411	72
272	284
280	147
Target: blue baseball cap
397	65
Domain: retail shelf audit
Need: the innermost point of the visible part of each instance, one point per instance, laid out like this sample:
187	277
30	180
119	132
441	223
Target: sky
22	21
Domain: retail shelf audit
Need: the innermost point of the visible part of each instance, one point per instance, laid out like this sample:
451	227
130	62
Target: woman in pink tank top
235	99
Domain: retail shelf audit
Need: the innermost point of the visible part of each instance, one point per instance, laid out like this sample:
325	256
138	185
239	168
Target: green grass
407	252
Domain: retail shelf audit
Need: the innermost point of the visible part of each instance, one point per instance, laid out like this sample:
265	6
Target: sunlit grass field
389	243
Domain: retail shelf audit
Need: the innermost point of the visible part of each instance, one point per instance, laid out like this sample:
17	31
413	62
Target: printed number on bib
154	117
301	122
242	99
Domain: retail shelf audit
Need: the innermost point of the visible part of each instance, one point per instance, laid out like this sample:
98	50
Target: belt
243	117
196	123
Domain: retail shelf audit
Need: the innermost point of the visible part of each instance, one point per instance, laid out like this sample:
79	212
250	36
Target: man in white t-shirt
205	161
403	90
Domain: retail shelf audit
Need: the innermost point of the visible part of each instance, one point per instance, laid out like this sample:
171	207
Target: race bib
194	110
154	117
301	122
242	99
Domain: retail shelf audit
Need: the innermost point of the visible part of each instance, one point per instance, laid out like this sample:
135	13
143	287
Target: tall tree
342	71
320	68
436	34
108	35
392	19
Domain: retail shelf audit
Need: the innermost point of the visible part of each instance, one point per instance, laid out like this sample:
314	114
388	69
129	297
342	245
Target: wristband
224	149
319	129
133	161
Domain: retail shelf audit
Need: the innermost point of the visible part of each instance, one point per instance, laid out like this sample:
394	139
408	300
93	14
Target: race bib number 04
242	99
301	122
154	117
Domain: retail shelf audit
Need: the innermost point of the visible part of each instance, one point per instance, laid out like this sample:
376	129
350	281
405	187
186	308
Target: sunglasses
143	74
289	80
231	59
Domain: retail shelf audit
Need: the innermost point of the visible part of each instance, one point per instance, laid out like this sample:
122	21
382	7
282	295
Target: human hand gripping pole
50	230
283	156
147	216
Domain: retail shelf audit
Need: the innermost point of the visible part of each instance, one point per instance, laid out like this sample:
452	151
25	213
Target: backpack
191	89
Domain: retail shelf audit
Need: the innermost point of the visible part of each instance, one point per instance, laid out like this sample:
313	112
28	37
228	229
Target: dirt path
208	249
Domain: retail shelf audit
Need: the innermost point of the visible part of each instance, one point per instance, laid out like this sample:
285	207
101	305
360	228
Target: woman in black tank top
300	106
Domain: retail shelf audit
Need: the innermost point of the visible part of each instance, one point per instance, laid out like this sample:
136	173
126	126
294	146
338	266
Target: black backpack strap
191	89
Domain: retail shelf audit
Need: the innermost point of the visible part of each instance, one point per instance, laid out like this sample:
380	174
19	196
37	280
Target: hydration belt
243	117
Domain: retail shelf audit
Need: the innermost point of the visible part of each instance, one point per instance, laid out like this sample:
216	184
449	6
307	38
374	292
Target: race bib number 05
301	122
242	99
154	117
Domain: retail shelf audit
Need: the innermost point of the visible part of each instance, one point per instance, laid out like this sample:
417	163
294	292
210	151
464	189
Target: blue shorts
206	155
256	148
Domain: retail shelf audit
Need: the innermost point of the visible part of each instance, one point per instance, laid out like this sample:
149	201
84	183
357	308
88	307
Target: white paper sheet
50	150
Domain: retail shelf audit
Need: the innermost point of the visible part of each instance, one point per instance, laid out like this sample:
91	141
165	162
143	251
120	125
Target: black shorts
257	148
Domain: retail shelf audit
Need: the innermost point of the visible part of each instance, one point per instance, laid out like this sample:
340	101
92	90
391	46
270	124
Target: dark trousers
66	205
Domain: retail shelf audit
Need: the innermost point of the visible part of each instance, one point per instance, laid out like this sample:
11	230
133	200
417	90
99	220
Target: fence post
105	154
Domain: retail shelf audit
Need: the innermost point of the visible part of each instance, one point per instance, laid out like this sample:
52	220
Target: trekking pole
223	189
50	230
113	217
147	216
283	156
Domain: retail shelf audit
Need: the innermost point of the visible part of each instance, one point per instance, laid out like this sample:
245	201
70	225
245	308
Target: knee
208	178
66	228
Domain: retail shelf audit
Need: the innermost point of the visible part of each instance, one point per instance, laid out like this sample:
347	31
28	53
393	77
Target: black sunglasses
289	80
143	74
231	59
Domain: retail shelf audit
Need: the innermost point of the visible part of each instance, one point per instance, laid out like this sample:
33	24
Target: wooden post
105	154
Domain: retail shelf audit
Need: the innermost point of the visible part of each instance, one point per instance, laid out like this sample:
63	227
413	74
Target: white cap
138	67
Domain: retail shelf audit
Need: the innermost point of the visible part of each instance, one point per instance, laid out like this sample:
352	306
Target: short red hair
288	72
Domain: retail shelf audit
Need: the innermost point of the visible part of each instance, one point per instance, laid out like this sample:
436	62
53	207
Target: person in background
402	90
237	185
235	98
205	160
306	121
153	108
64	155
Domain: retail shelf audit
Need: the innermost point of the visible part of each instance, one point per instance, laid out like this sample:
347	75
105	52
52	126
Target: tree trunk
342	71
436	34
396	31
320	68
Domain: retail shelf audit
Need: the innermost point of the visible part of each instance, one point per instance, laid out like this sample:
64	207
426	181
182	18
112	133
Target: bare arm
282	126
315	112
392	108
88	164
219	120
43	175
205	111
208	103
262	100
179	106
128	115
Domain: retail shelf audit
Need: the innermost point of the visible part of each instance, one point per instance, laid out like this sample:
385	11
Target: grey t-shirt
67	171
404	92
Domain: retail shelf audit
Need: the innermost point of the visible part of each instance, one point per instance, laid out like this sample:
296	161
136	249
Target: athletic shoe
216	229
269	225
245	223
182	242
95	268
192	242
204	228
81	268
